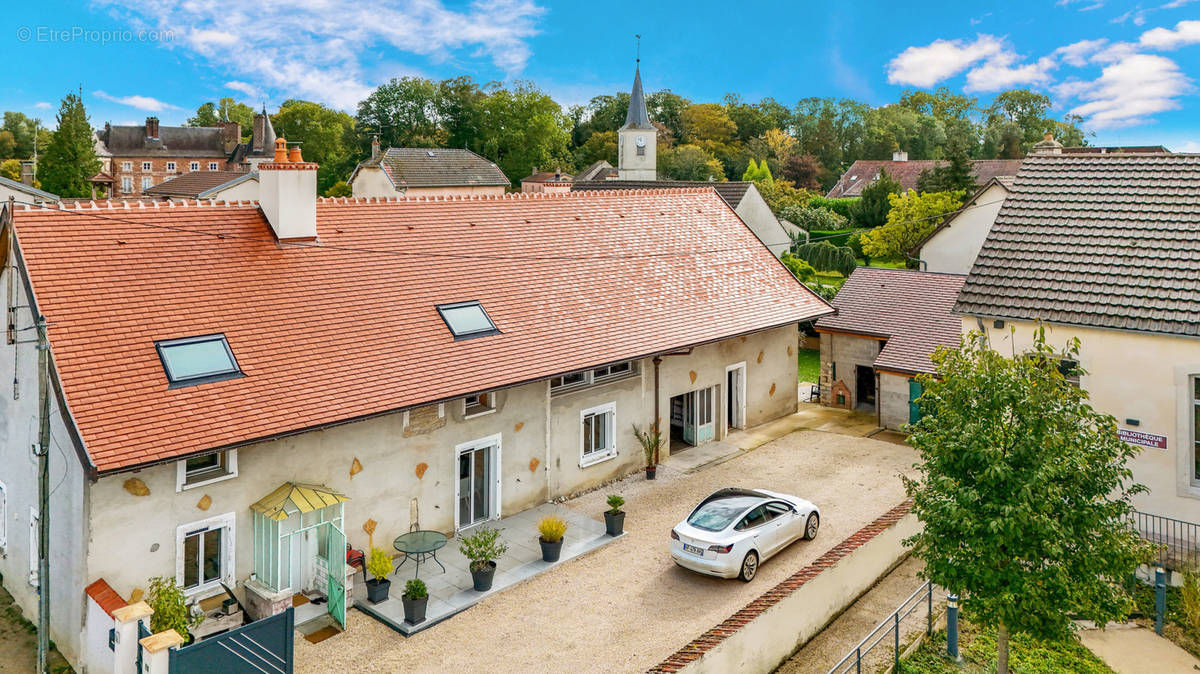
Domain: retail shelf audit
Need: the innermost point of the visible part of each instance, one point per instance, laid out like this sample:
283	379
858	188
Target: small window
641	150
467	319
146	166
194	166
196	360
615	370
170	166
569	380
1195	391
480	403
599	433
126	166
202	470
1069	369
204	554
212	166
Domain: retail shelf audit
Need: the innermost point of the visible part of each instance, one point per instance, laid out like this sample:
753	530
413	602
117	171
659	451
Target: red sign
1142	439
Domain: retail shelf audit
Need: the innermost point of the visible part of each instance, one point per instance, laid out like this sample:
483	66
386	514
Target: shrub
339	189
823	291
825	256
615	501
854	243
415	589
810	219
1190	594
802	270
379	563
482	547
872	209
650	440
170	608
840	206
552	528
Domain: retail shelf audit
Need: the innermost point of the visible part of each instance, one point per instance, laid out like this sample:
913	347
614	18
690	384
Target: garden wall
769	629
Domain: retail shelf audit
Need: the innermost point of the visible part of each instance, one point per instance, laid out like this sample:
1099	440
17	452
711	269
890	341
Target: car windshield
718	514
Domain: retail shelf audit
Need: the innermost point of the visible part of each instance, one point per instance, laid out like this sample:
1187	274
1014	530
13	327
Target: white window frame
591	379
1194	435
126	184
212	166
147	166
170	166
194	166
610	452
228	522
199	479
495	443
33	546
478	409
147	182
126	166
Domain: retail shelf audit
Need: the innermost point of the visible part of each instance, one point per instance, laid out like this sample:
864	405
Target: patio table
420	546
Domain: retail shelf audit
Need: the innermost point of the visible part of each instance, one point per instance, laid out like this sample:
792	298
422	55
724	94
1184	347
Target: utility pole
43	644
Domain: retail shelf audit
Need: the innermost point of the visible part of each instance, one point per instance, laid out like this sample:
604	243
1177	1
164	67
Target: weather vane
639	48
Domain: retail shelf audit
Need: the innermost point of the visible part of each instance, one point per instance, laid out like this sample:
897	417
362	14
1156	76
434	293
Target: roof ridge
142	204
518	196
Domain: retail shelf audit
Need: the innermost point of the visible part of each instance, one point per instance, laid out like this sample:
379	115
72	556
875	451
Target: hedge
838	237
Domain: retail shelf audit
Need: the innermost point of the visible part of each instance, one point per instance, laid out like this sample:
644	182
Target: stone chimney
231	133
899	155
374	148
152	127
287	194
27	172
1047	145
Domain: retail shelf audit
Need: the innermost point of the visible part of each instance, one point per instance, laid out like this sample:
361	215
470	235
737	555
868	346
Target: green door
335	559
914	392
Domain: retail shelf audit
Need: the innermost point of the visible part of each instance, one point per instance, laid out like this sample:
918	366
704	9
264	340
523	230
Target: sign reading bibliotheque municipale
1141	439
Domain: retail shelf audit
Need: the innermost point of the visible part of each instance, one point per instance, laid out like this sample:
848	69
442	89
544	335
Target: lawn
808	365
1025	654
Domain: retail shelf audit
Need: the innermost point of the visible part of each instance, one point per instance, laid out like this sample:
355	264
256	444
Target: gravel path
626	606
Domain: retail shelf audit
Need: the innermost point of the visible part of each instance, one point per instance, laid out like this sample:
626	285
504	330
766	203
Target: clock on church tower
637	139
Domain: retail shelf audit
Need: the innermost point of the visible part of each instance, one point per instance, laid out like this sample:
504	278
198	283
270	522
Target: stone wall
840	354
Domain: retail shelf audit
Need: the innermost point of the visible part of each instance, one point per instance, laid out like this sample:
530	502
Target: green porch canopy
305	497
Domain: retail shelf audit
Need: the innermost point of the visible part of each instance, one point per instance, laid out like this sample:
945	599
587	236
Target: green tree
955	175
326	137
825	256
11	169
666	108
212	114
1023	492
170	608
70	158
910	219
751	171
458	107
8	145
339	189
689	162
599	146
803	271
707	122
23	129
522	127
814	219
403	111
871	209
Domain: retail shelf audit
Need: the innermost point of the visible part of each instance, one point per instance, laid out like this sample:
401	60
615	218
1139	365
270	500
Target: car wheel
811	526
749	566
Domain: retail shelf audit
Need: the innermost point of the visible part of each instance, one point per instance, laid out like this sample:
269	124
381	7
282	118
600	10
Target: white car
734	530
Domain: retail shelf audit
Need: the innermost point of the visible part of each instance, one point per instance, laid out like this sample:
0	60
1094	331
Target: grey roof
732	191
172	141
28	189
636	117
194	184
1101	240
596	171
439	167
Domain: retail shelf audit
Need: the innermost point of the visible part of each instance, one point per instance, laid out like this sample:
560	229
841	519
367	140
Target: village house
888	324
426	171
906	172
953	245
1105	247
214	364
218	185
546	181
23	192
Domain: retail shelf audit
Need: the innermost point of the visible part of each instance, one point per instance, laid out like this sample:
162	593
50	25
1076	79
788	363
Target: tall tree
871	210
212	114
910	219
522	127
23	130
707	122
403	111
8	145
70	158
599	147
955	175
1023	492
326	137
689	162
804	170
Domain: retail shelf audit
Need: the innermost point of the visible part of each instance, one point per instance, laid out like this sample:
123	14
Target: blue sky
1131	69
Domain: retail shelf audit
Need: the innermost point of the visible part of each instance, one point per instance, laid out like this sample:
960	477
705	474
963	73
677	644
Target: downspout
657	416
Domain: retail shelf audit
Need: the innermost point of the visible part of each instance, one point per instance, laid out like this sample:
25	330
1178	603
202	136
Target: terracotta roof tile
106	597
347	327
865	171
910	308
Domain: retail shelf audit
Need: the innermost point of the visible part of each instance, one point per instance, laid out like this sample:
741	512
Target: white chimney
287	195
899	155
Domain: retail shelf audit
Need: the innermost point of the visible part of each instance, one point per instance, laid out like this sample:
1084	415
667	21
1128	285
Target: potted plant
614	517
415	598
651	441
551	531
483	548
379	565
171	611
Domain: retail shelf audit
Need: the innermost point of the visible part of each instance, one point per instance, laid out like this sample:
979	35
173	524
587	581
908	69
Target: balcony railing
1177	543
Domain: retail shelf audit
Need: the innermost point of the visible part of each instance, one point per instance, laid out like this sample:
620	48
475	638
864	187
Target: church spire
636	117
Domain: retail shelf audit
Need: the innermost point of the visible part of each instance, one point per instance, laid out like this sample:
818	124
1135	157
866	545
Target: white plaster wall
18	472
21	197
456	190
372	182
246	190
100	659
631	166
954	249
757	215
765	642
1134	376
893	400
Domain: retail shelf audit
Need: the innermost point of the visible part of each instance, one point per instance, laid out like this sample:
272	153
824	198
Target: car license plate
699	552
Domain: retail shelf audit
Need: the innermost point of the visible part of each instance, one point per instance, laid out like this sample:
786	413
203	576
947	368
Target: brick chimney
287	194
1047	145
152	127
27	172
899	155
231	133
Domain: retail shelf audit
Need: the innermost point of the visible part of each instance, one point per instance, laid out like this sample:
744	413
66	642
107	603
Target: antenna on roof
639	48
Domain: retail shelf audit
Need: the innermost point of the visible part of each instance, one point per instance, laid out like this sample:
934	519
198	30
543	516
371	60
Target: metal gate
262	647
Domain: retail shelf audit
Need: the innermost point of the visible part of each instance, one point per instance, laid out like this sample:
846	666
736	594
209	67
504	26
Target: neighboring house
741	195
426	171
952	246
225	374
102	181
23	193
1106	248
246	157
144	156
218	185
866	171
599	170
888	324
550	182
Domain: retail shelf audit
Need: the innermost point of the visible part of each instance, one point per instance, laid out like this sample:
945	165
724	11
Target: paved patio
451	591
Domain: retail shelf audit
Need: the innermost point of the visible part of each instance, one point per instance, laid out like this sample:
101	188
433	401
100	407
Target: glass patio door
474	485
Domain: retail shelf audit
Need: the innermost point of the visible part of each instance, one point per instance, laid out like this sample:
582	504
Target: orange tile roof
346	327
106	597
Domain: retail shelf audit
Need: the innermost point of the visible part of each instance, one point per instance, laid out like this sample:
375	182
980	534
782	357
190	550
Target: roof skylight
467	319
197	360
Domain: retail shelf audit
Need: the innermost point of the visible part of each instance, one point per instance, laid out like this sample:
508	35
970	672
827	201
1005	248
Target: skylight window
467	319
197	360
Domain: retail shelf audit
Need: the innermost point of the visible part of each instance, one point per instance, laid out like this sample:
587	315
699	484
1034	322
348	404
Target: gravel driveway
626	606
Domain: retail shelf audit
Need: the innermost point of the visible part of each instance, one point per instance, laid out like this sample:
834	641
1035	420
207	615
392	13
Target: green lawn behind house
808	365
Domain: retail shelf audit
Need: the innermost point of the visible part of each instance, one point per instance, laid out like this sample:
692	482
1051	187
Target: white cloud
1185	33
1129	91
1076	53
311	48
140	102
244	87
1115	52
1189	146
1097	4
999	72
980	18
42	105
928	65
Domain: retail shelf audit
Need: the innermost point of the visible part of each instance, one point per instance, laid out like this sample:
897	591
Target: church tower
637	141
